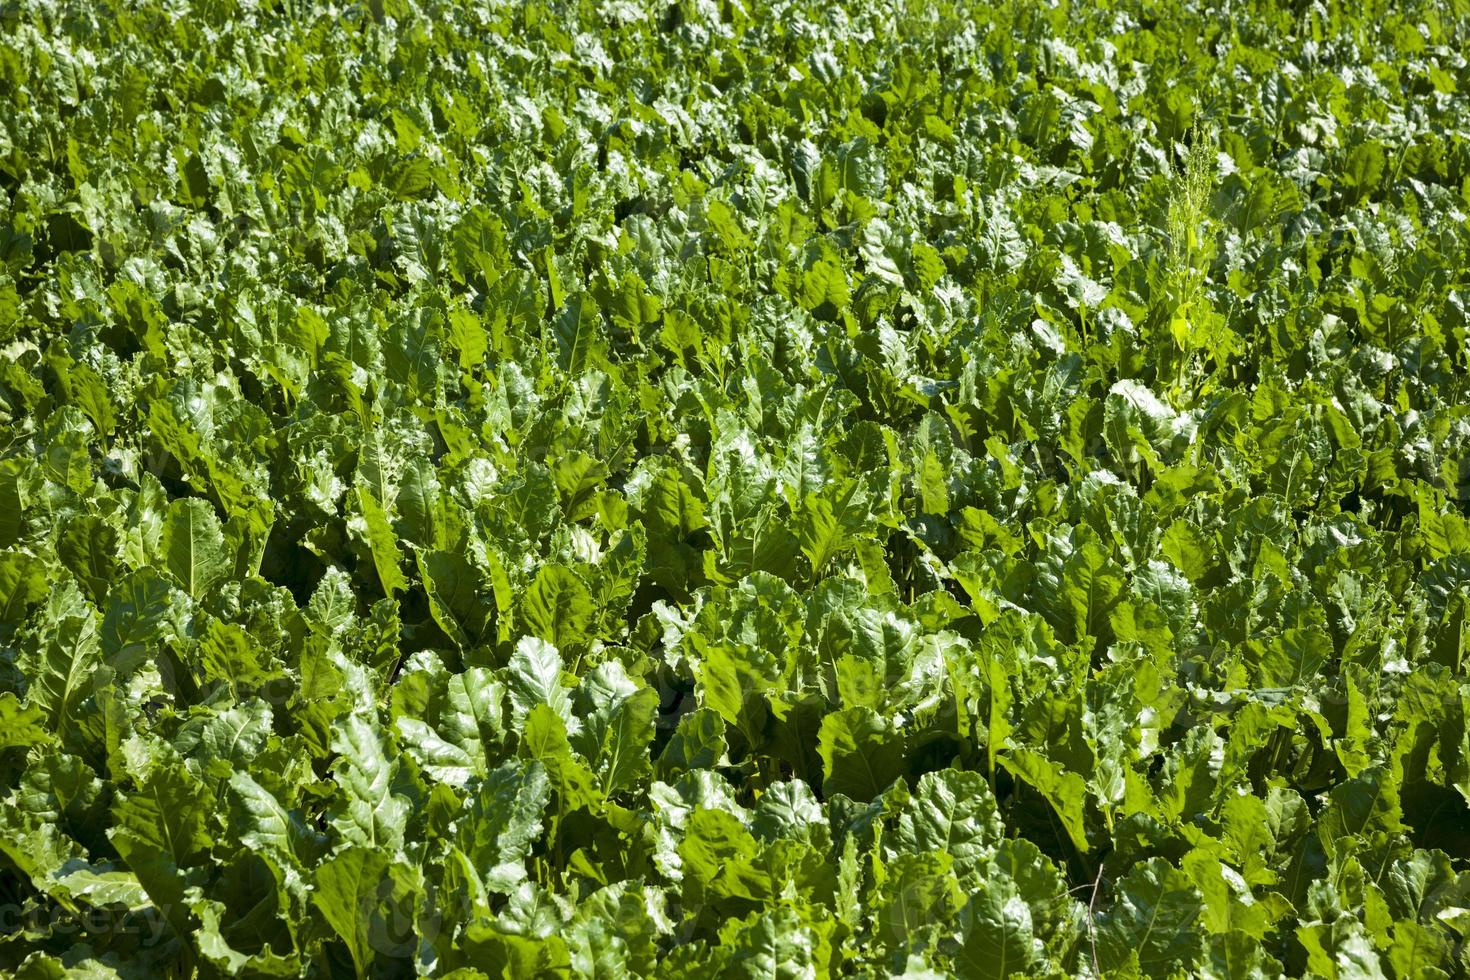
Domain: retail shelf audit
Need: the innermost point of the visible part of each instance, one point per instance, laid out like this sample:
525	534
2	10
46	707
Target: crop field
734	489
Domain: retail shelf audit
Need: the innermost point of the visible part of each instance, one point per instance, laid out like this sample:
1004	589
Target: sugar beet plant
729	488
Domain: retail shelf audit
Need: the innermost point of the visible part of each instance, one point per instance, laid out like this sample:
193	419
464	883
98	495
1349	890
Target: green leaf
22	586
160	830
455	598
576	329
534	677
22	725
90	547
697	743
827	524
617	727
166	814
1364	805
61	673
503	822
950	811
381	542
1294	657
558	608
1087	587
778	943
260	822
348	892
999	938
451	724
1066	791
544	739
370	810
862	753
1153	923
194	546
142	610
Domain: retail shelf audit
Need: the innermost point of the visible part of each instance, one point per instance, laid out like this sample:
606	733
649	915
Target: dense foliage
734	489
